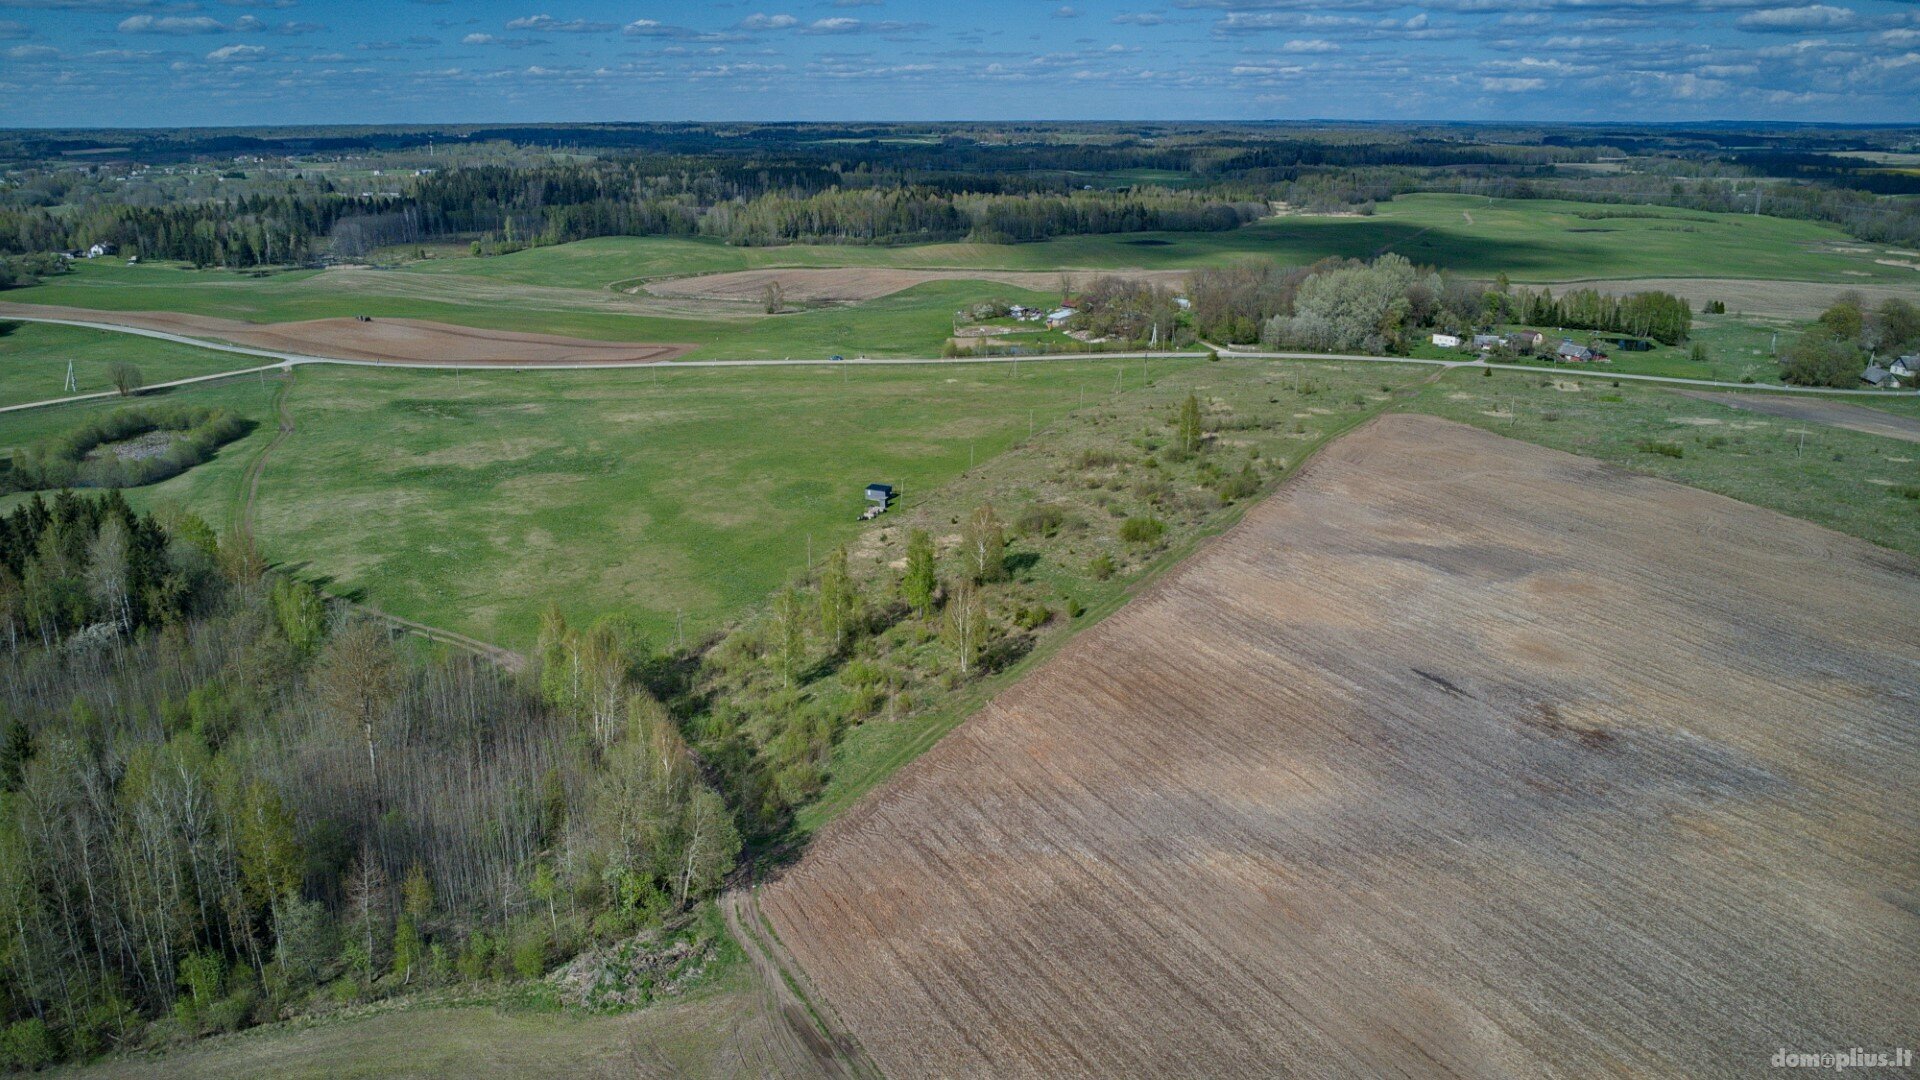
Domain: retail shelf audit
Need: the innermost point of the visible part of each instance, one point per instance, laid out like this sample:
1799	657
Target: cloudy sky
181	62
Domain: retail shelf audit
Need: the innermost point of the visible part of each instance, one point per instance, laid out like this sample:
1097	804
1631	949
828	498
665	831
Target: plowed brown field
1459	756
399	341
854	283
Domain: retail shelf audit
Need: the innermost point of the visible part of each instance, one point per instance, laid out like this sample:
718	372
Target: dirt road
1458	757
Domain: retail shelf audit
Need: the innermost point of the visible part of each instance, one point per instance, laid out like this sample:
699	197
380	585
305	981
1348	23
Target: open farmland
850	285
398	341
34	359
1457	756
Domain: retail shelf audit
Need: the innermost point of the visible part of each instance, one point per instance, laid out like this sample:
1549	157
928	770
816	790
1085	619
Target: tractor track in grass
244	516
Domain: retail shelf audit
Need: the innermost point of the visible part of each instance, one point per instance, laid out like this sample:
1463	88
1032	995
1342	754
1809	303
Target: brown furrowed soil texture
398	341
1458	756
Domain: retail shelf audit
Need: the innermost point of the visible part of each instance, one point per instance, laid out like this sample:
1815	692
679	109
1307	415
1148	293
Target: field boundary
969	703
801	1012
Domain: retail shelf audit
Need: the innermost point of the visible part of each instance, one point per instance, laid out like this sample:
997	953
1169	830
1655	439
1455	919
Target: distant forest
501	189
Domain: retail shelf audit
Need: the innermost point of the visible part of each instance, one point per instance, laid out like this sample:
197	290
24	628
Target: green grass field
1842	479
34	358
1528	240
467	501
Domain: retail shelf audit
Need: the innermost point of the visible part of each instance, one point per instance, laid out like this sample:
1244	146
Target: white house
1058	319
1446	341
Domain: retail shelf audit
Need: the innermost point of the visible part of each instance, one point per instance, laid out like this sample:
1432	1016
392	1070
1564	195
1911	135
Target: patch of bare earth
399	341
1781	299
1459	756
1813	410
852	284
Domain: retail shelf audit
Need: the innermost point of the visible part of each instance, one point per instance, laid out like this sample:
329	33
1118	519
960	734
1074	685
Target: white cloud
236	52
478	39
1512	86
838	25
1790	19
768	22
549	24
171	24
1310	45
1138	18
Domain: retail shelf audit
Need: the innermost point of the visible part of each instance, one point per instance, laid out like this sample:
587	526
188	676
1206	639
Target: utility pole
73	386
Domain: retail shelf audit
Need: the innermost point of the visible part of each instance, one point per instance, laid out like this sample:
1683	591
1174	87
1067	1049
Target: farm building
1057	319
1525	340
100	249
1875	375
1905	368
1446	341
1579	354
1483	342
880	493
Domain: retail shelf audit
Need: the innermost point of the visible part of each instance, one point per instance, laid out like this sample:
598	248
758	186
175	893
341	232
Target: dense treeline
768	184
1661	316
223	800
85	457
1382	306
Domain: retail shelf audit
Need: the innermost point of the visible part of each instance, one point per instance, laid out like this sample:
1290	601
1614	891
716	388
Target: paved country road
282	361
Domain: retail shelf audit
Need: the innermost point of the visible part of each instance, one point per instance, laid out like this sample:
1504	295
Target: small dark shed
880	493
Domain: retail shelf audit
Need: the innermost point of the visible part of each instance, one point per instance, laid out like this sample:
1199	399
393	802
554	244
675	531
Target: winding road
283	361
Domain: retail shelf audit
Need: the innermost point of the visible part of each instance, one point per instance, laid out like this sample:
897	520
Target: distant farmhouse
1578	354
1446	341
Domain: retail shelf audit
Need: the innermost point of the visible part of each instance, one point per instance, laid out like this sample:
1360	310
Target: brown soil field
399	341
1781	299
850	284
1458	756
1813	410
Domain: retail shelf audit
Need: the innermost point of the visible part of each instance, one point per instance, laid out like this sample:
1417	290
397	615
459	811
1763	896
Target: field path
1458	756
250	494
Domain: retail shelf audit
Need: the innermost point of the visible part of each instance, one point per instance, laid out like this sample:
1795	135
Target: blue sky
193	62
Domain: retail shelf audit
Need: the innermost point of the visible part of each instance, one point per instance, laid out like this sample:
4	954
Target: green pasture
468	501
1844	480
1527	239
34	358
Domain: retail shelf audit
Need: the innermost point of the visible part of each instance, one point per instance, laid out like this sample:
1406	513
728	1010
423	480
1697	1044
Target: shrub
1664	449
62	461
1142	530
1101	567
1908	491
1033	617
27	1044
1039	520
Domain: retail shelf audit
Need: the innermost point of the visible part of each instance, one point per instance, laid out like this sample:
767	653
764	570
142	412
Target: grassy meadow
469	500
34	358
1845	480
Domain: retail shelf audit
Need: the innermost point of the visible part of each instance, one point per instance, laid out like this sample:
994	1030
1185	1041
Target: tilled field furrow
1457	757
